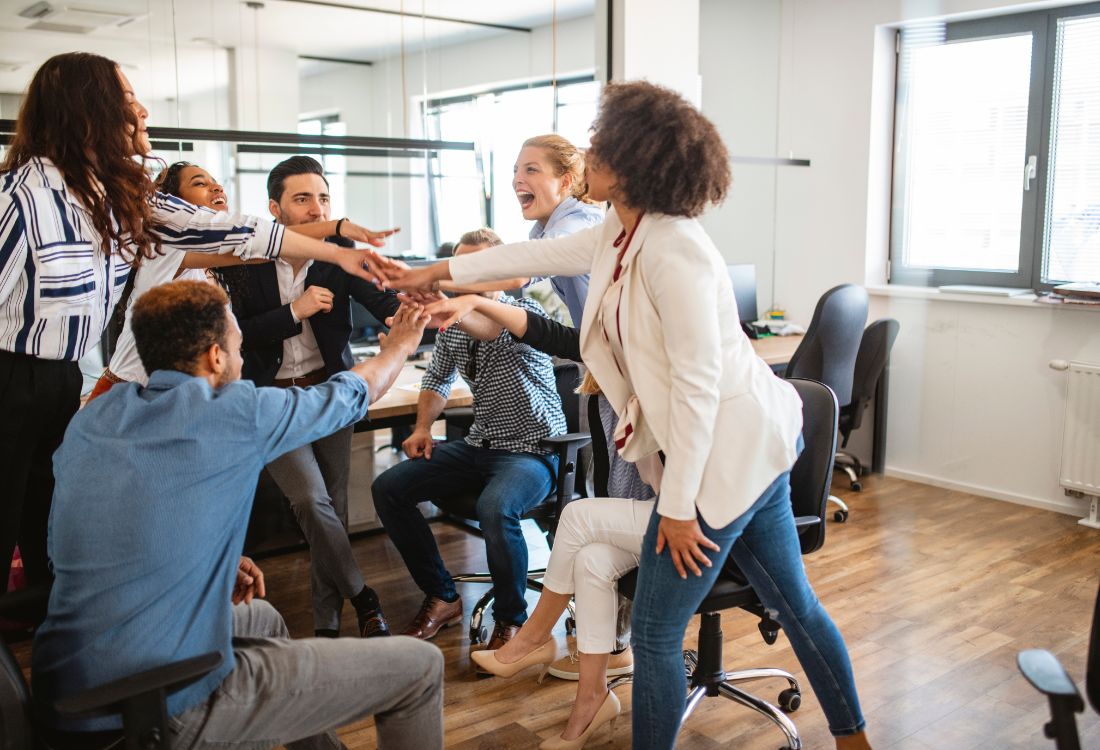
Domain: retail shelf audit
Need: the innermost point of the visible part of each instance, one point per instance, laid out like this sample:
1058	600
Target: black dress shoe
373	624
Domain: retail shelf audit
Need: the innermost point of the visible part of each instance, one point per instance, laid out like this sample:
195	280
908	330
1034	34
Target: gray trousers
297	692
315	480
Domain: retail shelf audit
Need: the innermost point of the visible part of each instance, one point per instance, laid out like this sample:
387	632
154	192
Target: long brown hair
76	115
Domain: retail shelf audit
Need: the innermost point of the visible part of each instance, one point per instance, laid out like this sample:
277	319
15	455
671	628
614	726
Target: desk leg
878	440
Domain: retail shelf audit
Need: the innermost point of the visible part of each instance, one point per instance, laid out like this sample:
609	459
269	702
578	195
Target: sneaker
569	667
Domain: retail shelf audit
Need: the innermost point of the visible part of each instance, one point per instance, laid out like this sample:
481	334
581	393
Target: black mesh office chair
140	698
827	353
874	353
810	480
545	515
1047	675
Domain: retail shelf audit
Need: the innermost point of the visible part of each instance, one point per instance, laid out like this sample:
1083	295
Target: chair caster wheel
769	634
857	486
840	516
570	626
790	700
479	635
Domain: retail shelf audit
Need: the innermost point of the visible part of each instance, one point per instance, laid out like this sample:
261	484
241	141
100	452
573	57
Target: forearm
317	230
490	316
208	260
485	286
382	370
428	408
297	246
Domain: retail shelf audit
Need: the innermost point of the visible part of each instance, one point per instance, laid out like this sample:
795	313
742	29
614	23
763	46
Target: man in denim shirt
154	488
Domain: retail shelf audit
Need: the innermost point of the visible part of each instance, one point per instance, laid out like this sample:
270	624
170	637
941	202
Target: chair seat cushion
729	590
464	505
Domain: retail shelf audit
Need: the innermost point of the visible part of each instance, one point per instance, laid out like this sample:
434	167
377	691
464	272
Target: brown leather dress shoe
434	614
502	633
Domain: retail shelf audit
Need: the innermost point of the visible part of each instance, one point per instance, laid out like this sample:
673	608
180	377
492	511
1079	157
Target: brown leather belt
302	381
111	376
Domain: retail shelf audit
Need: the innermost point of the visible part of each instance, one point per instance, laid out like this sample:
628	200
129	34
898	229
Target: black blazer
265	321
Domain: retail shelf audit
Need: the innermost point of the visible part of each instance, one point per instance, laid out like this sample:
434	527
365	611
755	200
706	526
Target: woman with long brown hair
77	211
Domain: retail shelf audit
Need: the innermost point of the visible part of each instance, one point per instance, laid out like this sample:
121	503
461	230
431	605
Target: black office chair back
812	473
874	351
827	354
15	724
567	376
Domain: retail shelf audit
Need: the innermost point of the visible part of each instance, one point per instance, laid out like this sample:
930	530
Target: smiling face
538	189
141	137
198	188
305	200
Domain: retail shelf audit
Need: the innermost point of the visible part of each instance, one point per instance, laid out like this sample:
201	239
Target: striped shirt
516	401
58	282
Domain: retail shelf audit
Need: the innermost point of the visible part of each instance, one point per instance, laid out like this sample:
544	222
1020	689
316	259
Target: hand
450	311
369	265
423	278
362	234
315	299
685	541
418	444
250	582
406	328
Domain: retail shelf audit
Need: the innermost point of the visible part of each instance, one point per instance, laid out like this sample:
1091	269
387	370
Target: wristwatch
339	223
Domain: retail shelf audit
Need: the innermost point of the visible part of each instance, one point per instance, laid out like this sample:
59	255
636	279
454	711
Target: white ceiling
195	32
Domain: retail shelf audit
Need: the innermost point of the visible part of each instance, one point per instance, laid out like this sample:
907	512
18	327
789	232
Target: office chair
546	514
810	480
828	351
874	352
1046	674
139	698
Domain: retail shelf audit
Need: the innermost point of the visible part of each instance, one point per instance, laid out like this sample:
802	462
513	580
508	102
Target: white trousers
598	540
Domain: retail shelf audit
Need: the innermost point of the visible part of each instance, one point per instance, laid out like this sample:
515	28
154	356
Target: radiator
1080	471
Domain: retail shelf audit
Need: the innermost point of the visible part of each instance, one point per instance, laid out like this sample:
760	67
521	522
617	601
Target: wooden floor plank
935	592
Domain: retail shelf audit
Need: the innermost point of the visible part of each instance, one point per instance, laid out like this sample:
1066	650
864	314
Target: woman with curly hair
660	335
77	212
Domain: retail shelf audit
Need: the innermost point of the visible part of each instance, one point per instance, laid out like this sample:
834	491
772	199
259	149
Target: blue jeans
510	484
764	543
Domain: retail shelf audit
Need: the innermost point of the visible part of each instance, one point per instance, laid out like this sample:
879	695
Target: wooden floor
935	592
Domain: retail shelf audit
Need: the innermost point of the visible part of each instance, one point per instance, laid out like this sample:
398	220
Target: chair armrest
581	439
1047	675
168	678
801	523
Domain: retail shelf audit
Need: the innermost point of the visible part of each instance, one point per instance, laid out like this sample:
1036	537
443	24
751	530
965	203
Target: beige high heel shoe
487	661
607	714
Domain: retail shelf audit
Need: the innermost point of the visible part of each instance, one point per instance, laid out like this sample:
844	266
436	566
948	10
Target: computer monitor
743	278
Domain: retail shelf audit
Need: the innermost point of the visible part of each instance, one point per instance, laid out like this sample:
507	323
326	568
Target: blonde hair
483	236
588	386
565	159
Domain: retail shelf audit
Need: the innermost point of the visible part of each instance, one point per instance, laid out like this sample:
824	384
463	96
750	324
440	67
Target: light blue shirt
569	217
154	487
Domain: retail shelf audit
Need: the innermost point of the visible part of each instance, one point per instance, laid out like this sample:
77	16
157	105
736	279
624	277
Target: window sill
932	294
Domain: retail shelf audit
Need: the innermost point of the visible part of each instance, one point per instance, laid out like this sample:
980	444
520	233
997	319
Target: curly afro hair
667	157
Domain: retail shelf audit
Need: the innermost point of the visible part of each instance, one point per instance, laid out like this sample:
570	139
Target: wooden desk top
401	399
776	350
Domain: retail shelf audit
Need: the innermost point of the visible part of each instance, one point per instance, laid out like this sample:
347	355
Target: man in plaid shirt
516	404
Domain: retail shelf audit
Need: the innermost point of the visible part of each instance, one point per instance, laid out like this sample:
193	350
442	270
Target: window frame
1043	27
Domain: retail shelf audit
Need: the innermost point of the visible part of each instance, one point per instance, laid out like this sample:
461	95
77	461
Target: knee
384	490
261	621
494	519
422	660
592	566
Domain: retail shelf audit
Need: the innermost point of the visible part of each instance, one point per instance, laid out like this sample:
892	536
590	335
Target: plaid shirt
516	401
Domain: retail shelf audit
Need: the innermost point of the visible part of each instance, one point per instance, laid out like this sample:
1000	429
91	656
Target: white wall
972	402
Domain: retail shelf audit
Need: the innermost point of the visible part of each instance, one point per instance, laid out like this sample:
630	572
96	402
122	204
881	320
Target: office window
468	190
997	138
335	166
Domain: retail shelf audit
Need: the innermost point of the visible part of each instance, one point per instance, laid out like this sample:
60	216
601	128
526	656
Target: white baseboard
1068	505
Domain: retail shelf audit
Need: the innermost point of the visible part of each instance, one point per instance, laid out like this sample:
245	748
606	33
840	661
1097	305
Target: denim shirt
570	216
154	487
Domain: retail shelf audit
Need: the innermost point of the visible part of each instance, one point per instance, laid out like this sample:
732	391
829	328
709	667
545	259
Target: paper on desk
781	327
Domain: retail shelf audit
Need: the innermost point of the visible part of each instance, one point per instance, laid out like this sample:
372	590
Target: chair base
706	678
479	632
841	515
851	466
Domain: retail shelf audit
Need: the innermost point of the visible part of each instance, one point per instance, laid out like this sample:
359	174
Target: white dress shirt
301	355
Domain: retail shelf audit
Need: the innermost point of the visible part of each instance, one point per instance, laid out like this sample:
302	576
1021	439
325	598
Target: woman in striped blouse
77	212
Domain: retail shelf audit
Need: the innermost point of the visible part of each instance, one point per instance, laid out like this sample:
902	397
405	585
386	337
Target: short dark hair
667	157
295	165
175	323
483	236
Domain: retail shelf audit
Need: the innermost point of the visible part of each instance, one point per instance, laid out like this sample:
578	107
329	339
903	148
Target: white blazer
728	427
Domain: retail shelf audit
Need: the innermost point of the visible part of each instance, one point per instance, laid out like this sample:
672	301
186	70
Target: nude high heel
607	714
487	661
